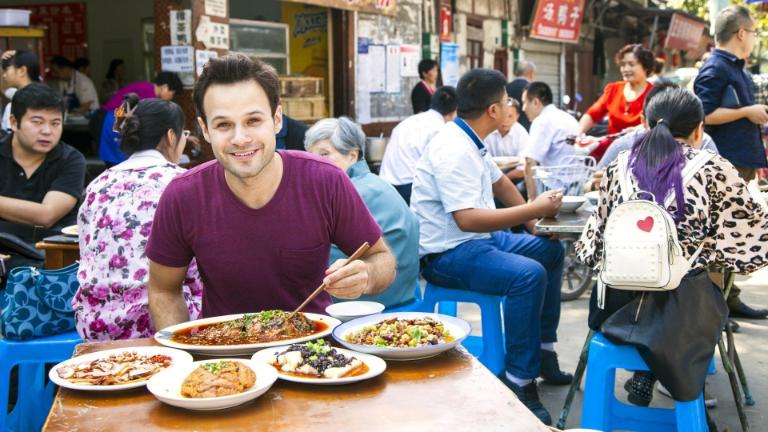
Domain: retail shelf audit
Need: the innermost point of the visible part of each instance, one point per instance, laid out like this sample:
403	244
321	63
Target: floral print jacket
114	224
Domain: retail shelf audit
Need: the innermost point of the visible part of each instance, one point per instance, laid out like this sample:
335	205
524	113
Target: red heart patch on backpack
645	224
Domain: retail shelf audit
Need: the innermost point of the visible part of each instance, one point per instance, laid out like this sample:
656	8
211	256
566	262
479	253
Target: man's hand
594	182
757	113
347	282
8	54
530	226
548	203
4	257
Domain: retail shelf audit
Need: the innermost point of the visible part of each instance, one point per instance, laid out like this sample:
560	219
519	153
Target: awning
384	7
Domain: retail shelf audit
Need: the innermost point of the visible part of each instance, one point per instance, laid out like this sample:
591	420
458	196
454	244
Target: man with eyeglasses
464	244
550	127
732	118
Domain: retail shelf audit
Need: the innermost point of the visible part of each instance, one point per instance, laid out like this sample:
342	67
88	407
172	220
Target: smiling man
41	178
259	222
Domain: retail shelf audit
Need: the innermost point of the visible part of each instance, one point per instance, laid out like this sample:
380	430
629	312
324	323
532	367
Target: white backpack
641	251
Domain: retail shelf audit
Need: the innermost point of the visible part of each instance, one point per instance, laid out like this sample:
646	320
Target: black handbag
674	331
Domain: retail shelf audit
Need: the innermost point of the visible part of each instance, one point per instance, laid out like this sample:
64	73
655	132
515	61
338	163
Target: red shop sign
66	34
445	23
684	33
558	20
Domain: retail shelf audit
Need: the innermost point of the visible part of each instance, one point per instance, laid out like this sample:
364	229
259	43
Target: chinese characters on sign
212	35
179	59
181	27
684	33
558	20
66	34
216	8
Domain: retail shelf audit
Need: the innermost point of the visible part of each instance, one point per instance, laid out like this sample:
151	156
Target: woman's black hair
113	65
657	158
147	122
24	59
425	66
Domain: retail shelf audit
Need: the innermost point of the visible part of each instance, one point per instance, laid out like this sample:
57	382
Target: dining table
566	224
451	391
60	251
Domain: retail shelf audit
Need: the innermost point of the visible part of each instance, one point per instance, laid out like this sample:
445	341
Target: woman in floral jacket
115	221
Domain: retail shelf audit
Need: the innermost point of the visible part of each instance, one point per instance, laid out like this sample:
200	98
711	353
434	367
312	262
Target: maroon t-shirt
270	258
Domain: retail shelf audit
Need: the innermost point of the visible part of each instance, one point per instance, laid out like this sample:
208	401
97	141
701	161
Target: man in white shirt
509	140
410	137
463	243
550	128
76	86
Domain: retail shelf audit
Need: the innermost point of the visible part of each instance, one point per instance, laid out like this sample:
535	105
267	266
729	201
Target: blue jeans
527	271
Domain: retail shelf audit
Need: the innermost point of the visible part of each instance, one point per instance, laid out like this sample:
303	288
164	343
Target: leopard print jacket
719	211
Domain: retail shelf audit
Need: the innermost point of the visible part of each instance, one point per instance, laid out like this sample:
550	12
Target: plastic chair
35	393
602	411
488	348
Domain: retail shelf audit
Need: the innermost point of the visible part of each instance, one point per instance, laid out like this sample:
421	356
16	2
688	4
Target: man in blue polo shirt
463	242
732	117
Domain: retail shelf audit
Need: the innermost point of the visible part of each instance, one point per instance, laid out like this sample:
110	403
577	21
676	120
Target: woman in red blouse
623	100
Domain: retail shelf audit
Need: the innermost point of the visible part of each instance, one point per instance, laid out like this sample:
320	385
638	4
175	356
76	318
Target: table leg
577	376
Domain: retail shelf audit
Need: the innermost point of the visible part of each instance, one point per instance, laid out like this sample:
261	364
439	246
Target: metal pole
653	32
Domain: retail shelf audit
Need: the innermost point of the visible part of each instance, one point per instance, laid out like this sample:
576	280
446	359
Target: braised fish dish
216	379
401	333
317	360
260	327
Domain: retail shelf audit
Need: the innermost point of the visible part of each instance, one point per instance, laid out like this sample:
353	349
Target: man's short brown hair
235	68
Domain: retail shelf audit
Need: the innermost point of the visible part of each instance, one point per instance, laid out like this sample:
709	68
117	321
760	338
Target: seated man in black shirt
41	178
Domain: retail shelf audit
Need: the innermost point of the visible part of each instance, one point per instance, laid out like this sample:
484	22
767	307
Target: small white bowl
345	311
166	386
572	203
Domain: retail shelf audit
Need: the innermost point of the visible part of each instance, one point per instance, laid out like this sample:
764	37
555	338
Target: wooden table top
451	392
43	245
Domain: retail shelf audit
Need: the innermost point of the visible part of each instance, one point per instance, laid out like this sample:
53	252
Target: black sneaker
640	388
550	369
529	396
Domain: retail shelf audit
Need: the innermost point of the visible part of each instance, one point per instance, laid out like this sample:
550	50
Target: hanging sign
684	33
558	20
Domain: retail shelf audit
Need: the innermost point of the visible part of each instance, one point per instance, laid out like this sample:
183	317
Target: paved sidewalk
751	341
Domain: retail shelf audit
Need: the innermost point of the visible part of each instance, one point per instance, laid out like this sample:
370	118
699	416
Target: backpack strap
624	181
690	170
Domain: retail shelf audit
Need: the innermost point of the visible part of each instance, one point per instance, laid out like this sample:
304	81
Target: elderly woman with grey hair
342	142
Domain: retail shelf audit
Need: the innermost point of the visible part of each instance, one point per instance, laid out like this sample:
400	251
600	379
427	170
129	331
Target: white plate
166	386
71	230
376	367
345	311
458	328
178	357
593	197
572	203
163	337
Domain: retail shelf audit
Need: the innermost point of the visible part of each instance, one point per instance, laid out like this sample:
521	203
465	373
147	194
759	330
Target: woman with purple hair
714	210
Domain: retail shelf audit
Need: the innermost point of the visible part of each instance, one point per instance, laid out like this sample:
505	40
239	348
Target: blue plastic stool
602	411
488	348
35	396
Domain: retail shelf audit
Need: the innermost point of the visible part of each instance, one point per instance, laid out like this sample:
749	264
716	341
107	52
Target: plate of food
241	334
402	335
71	230
213	384
116	369
316	362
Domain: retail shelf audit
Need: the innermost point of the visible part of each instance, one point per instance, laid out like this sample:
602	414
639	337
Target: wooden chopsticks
358	253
